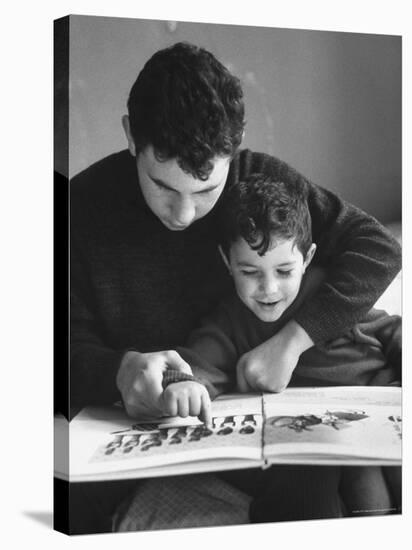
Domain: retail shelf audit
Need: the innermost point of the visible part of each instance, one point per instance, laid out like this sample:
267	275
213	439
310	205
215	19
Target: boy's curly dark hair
188	106
264	211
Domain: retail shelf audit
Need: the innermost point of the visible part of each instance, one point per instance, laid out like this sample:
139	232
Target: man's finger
152	389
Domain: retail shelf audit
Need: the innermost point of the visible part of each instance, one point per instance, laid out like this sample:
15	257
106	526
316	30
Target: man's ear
225	259
309	255
129	137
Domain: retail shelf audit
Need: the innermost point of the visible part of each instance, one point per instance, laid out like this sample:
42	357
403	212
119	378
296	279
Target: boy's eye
249	273
284	272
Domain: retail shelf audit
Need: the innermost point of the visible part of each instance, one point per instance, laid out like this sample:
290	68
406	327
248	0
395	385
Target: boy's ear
309	255
129	137
225	259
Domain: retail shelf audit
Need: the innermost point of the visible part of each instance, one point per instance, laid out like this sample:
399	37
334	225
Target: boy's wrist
173	377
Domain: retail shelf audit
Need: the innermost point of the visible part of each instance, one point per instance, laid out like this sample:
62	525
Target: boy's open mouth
267	304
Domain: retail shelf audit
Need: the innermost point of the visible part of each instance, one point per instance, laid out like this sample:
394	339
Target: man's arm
387	329
359	255
93	364
102	375
361	259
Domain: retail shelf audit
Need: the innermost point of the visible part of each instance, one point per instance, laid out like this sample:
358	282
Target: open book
334	425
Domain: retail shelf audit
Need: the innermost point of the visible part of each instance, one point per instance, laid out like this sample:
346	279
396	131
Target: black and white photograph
234	228
204	224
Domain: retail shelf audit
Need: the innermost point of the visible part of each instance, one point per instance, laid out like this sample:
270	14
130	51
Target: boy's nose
270	286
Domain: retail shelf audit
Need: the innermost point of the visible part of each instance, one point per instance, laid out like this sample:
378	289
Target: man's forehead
169	173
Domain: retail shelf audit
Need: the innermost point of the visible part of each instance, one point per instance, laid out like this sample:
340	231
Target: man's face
268	284
175	197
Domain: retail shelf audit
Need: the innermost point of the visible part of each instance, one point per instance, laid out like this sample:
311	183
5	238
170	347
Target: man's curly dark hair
264	212
188	106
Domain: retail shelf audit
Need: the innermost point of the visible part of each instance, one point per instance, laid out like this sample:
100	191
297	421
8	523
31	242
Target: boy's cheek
244	289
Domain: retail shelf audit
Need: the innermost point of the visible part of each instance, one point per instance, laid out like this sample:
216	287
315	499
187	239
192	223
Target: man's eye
162	187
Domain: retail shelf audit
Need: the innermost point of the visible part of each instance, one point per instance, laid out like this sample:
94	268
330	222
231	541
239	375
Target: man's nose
184	211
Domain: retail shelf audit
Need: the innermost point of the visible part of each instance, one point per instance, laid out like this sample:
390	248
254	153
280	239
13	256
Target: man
145	266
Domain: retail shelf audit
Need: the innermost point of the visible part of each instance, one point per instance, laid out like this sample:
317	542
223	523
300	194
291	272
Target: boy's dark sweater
136	284
367	354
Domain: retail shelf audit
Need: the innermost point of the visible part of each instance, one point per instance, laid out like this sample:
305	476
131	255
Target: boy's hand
188	399
269	367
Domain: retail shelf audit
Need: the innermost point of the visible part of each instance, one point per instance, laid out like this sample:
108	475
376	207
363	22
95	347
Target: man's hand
269	367
188	398
139	380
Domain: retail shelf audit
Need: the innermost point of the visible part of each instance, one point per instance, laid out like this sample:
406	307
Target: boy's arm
211	353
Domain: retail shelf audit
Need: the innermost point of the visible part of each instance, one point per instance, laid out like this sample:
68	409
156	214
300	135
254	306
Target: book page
105	440
372	395
328	425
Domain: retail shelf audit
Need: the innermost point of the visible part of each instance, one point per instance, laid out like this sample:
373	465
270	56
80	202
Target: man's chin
174	227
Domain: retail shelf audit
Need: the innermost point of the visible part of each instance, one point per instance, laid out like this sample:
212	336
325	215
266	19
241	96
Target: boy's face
268	284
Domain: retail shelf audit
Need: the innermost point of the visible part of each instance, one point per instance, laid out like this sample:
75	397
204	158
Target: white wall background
328	103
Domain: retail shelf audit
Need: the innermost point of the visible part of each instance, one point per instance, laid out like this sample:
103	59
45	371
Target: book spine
265	462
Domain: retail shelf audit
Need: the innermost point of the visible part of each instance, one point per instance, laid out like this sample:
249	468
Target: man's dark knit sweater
136	284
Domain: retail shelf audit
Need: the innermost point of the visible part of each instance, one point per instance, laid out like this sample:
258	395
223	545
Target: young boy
267	247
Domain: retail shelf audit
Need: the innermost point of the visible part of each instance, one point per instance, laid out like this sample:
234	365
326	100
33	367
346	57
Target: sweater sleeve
390	334
93	365
360	256
387	331
211	353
